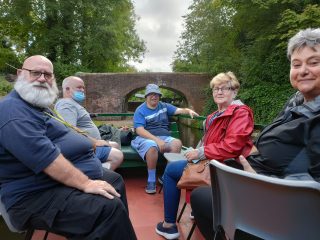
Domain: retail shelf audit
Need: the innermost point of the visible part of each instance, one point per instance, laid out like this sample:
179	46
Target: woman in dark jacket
289	147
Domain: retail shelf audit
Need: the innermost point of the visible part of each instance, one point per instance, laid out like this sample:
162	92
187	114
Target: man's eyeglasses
36	74
223	89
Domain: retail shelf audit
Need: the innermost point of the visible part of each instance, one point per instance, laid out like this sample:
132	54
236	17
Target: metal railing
257	126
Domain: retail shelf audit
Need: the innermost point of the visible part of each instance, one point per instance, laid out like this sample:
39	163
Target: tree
77	35
248	37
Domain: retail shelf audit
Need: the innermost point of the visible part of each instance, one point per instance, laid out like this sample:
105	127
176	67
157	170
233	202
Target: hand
254	150
192	155
100	143
101	188
192	113
246	165
124	128
162	145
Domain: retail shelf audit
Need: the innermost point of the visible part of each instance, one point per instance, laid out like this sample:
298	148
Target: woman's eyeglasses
223	89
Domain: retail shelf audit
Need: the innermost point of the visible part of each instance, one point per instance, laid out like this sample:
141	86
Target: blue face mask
78	96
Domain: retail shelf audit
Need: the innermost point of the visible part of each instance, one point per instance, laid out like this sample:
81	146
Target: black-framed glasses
37	74
223	89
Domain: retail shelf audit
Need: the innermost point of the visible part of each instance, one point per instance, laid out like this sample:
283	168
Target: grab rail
257	126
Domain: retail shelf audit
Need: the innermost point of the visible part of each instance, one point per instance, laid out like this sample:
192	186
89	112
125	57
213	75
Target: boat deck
145	210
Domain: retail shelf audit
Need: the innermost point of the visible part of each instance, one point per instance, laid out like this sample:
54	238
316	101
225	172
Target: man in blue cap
151	123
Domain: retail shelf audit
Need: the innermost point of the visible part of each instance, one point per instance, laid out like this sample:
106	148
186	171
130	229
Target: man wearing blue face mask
71	110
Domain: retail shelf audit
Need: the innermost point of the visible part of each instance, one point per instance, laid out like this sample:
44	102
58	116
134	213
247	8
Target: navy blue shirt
30	141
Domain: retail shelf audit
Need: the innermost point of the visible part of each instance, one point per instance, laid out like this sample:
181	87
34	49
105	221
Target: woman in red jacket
227	135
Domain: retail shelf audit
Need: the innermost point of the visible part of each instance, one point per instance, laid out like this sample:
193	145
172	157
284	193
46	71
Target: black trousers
77	215
201	204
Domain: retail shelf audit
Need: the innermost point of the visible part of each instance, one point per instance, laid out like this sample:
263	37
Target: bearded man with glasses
50	177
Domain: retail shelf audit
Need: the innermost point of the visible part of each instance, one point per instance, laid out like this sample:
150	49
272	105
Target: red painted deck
145	210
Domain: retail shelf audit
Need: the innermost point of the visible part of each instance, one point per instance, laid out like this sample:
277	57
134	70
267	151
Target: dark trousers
201	204
77	215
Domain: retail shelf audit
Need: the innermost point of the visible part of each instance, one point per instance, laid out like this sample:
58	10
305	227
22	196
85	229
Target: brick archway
108	92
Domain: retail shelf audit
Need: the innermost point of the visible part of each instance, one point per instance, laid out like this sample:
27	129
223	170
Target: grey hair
66	82
308	37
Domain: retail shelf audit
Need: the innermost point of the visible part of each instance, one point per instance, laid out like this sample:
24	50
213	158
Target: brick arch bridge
109	92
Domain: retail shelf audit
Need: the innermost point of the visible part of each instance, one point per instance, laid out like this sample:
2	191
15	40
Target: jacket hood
236	104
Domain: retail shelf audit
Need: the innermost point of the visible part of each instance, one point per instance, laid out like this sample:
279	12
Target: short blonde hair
227	77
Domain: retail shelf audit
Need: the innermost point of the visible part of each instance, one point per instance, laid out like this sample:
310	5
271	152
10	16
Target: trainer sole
168	236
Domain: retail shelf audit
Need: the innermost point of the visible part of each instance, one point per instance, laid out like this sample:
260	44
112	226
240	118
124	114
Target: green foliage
63	70
5	87
209	106
94	36
250	39
7	56
266	99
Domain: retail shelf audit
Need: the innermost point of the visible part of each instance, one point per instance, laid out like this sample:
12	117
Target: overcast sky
160	26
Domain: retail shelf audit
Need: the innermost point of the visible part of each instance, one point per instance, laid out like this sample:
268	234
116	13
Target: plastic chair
28	232
255	206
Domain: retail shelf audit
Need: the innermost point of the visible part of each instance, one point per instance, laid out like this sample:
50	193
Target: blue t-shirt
156	121
30	141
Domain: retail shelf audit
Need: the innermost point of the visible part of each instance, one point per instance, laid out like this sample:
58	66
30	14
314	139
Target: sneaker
151	188
191	215
167	233
160	180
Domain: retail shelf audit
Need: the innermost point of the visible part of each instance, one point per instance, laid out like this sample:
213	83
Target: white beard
37	96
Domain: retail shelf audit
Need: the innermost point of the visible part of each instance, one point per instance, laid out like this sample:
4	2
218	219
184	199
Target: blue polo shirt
30	141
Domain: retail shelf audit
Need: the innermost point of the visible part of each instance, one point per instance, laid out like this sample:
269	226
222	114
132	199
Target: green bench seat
132	158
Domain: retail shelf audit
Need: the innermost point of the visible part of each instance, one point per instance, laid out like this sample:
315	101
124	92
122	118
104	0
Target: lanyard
59	118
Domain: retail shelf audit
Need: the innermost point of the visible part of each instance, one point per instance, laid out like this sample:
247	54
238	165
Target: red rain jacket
230	134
